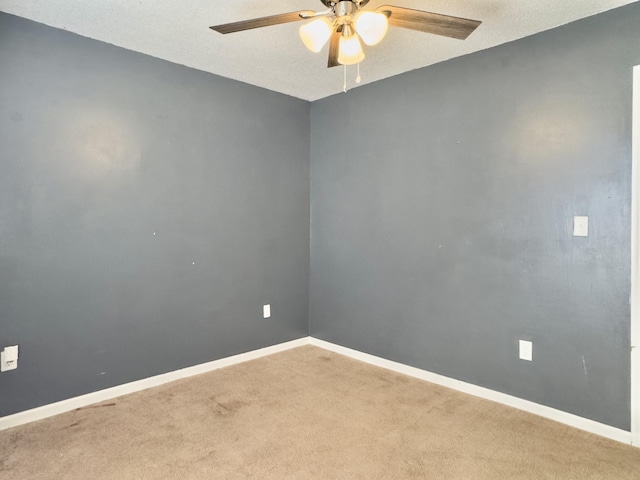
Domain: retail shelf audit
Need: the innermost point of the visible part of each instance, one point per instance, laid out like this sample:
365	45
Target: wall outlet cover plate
9	358
526	350
580	226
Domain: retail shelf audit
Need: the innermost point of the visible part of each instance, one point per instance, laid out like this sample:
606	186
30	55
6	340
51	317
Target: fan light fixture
371	26
315	34
351	24
349	49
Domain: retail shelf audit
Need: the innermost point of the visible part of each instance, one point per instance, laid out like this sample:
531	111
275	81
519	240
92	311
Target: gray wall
442	209
118	172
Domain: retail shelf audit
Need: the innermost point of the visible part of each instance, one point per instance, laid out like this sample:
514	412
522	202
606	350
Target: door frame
635	262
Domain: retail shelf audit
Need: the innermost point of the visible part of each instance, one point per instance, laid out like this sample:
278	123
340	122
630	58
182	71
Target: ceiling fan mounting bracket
332	3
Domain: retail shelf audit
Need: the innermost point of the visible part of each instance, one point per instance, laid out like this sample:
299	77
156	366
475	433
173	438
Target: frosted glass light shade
350	50
315	34
371	26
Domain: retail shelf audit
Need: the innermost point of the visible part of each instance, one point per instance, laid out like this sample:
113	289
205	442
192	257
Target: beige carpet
306	414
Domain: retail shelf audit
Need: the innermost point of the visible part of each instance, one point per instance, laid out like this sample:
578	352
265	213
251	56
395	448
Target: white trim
635	265
515	402
113	392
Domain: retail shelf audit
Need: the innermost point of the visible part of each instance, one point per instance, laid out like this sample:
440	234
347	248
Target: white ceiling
274	57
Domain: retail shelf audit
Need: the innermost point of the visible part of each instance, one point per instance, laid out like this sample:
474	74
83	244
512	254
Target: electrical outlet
580	226
526	350
266	311
9	358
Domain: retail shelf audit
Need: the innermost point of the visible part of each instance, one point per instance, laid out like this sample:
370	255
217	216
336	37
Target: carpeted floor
306	414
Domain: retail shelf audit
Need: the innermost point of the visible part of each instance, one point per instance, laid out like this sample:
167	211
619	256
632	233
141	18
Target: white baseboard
100	396
515	402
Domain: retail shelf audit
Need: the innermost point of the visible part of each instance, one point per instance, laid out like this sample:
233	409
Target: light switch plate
526	350
580	226
266	311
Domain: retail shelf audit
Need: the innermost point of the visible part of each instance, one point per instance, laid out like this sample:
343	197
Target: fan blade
334	44
428	22
262	22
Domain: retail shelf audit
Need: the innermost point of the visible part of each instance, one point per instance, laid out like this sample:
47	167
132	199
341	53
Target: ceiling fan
344	24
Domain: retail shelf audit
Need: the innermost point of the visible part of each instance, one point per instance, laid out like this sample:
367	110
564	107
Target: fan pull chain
344	77
344	84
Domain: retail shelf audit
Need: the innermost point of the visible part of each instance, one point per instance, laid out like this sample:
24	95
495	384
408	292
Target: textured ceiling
274	57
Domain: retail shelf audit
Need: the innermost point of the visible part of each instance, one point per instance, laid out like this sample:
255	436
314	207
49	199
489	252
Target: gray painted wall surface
101	147
442	210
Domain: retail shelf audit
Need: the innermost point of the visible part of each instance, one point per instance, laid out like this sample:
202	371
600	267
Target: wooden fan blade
428	22
261	22
334	44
